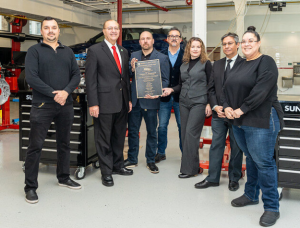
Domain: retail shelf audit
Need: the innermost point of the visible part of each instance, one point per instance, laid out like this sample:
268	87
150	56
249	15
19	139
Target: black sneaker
243	201
152	167
31	197
129	164
70	184
159	157
269	218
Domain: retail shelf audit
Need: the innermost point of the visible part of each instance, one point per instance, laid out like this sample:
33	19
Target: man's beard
51	39
146	48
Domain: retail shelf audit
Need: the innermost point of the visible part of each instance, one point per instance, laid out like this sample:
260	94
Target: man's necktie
227	69
116	56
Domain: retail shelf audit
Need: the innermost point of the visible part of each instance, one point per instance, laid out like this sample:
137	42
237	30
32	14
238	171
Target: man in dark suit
220	127
108	93
145	107
175	54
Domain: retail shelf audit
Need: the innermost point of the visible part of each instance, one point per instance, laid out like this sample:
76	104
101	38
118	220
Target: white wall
75	35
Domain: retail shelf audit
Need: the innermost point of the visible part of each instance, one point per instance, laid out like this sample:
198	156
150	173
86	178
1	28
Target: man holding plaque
144	82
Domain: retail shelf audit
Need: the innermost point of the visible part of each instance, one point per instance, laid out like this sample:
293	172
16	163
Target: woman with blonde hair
193	103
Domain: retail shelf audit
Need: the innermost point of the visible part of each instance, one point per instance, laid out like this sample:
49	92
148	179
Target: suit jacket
165	73
105	85
174	74
216	82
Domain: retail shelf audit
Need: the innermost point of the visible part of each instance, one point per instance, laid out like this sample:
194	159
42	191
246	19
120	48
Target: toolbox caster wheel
23	167
200	170
279	189
79	173
243	174
96	165
280	196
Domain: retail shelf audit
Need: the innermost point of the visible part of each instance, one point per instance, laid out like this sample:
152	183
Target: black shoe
243	201
233	186
123	171
206	184
31	197
129	164
182	175
159	157
152	167
269	218
70	184
107	180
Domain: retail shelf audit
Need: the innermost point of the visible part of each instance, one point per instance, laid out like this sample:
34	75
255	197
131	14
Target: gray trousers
192	116
216	151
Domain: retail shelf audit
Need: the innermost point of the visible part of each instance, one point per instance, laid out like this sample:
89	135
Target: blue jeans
258	145
164	115
134	124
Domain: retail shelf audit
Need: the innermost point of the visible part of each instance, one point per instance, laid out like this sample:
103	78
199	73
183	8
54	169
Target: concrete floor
139	201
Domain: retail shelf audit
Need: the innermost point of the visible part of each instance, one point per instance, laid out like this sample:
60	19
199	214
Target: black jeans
41	116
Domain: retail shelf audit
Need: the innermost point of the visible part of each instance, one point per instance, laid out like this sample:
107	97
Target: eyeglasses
229	44
174	37
249	42
112	28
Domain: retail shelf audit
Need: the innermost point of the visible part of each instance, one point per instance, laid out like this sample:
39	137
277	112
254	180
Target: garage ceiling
102	6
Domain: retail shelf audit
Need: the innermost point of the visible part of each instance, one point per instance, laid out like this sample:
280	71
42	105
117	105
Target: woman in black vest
251	105
193	104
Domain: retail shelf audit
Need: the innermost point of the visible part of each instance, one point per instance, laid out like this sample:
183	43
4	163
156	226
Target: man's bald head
146	41
146	32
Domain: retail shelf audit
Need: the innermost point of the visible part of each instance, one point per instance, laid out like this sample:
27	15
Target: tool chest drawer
289	141
290	176
290	131
288	151
289	163
292	121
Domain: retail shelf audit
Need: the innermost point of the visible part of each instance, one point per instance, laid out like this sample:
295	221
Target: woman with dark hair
193	104
251	105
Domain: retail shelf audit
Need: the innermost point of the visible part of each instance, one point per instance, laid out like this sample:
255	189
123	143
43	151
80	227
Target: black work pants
41	116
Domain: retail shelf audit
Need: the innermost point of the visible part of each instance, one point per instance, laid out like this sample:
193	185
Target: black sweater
252	87
48	70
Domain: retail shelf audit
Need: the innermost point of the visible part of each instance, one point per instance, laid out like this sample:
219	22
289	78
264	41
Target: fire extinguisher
189	2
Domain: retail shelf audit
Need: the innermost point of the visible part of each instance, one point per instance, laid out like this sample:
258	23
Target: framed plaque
148	78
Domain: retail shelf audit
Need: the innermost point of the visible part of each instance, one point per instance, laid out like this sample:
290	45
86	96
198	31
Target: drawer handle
28	106
289	147
291	129
289	159
294	119
288	171
289	138
72	132
53	140
52	150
